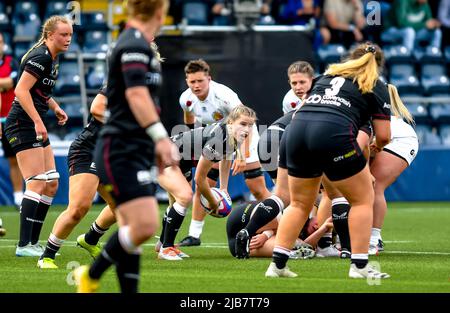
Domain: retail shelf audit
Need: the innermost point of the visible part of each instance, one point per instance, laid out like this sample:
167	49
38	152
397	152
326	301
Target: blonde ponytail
398	108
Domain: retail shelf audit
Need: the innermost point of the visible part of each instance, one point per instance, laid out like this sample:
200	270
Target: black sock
360	263
280	257
340	211
164	224
93	235
39	218
264	212
128	273
325	241
52	247
173	224
27	211
112	253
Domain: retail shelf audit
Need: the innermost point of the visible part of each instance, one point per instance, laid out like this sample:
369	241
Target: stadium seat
55	8
8	49
73	110
419	112
397	54
430	55
53	137
331	53
26	21
434	80
440	112
426	135
195	12
68	78
94	21
4	22
403	76
73	133
20	48
95	41
96	75
444	131
74	44
447	53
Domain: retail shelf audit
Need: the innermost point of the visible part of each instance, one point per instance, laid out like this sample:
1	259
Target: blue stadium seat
447	53
444	131
68	79
96	76
20	48
26	21
73	110
4	22
403	76
74	44
73	133
440	112
420	112
331	53
55	8
434	79
430	55
426	135
95	41
8	49
53	137
195	12
397	54
94	21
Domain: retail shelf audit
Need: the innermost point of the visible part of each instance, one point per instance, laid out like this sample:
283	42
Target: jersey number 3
336	84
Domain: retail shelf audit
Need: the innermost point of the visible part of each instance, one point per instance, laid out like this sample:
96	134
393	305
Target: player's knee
145	230
36	183
185	198
76	214
51	188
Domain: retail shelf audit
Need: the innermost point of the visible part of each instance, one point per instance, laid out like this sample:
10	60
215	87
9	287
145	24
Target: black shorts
23	137
282	160
268	149
320	143
80	159
125	166
7	150
238	219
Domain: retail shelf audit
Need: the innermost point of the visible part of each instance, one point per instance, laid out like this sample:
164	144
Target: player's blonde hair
144	10
235	113
397	106
49	26
362	66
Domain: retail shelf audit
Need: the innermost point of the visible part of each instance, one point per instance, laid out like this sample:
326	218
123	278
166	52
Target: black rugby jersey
337	95
283	121
132	63
212	141
40	64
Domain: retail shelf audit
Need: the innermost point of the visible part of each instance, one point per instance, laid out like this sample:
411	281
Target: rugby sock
325	241
93	235
164	223
28	207
340	210
39	217
196	228
280	256
360	260
111	253
375	235
52	247
128	273
174	220
264	212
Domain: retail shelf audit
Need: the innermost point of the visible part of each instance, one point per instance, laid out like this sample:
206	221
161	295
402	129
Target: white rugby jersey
217	105
401	129
291	102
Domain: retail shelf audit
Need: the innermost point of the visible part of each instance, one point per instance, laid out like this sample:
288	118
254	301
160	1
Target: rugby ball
224	205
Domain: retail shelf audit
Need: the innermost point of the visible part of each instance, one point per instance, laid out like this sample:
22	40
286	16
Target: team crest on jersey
55	70
217	116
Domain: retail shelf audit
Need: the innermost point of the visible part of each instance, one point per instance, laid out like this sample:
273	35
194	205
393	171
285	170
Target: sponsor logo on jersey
12	140
345	156
135	57
386	106
153	78
93	166
212	150
49	82
55	70
35	64
217	116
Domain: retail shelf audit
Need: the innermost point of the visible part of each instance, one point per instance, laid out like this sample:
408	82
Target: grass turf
417	257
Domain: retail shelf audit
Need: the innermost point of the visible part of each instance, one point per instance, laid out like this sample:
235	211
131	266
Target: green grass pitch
417	257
